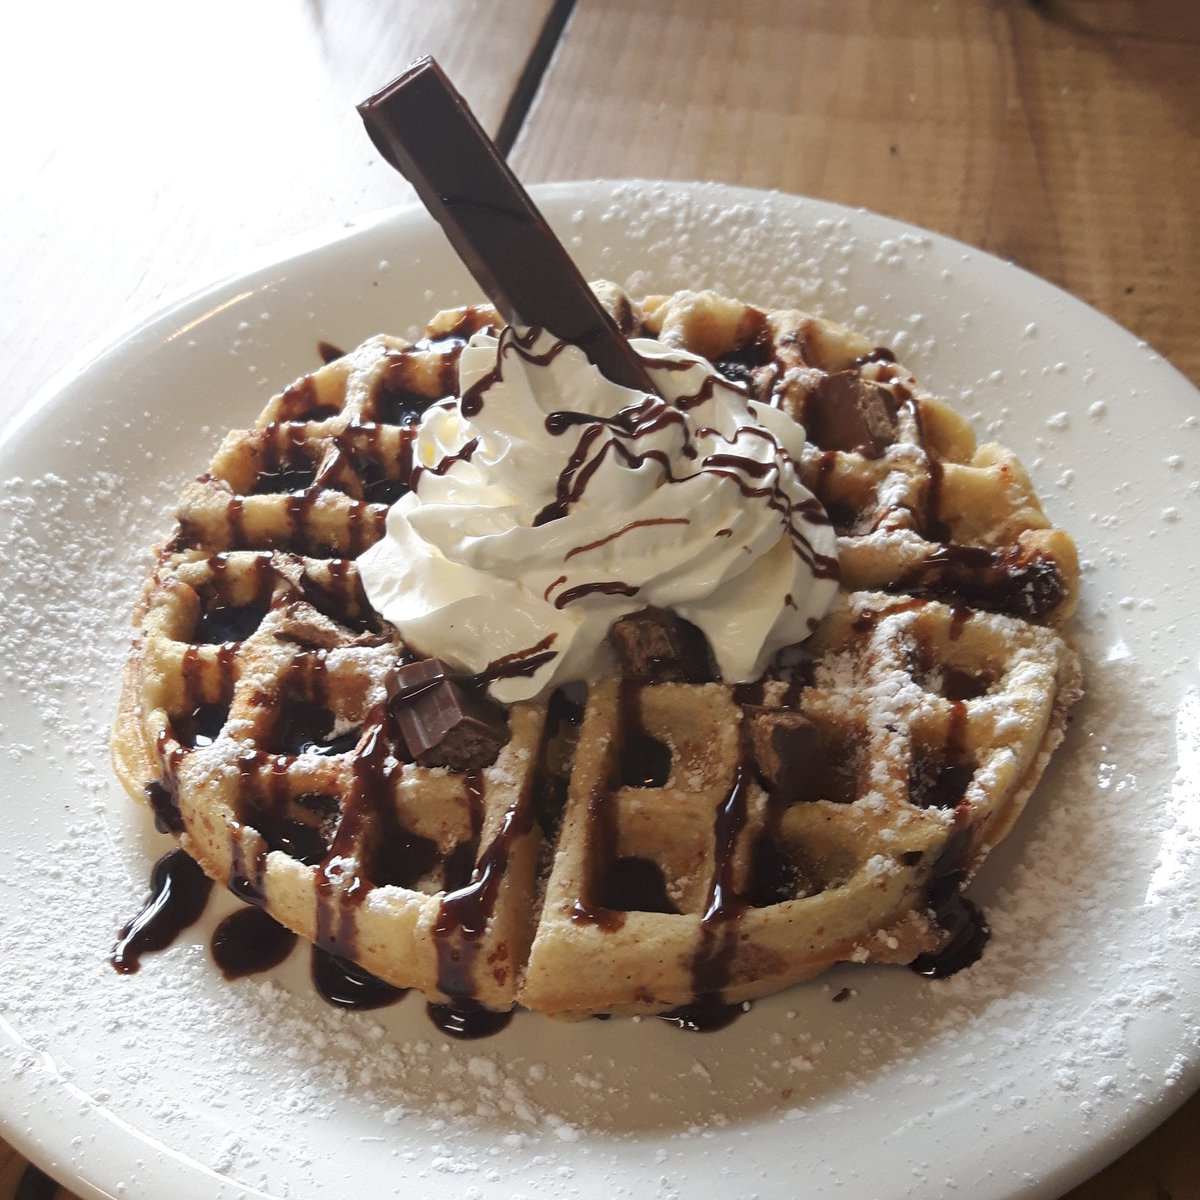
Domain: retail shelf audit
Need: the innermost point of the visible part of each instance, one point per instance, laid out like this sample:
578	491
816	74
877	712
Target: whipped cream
547	502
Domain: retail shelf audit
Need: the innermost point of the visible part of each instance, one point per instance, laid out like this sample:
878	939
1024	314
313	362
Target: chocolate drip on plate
163	797
704	1016
964	927
178	893
345	984
248	942
467	1021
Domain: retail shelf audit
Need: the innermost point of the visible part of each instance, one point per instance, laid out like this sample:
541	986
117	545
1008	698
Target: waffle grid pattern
927	722
667	862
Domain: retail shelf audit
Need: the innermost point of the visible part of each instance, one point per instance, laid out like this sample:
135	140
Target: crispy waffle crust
651	845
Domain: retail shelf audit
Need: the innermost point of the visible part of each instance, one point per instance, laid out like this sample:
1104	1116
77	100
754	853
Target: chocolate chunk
409	680
847	412
787	749
443	723
656	646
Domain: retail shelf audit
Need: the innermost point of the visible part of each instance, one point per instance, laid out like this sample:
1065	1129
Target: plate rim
113	345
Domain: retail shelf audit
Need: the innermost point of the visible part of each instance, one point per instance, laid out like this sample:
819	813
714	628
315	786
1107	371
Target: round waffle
663	841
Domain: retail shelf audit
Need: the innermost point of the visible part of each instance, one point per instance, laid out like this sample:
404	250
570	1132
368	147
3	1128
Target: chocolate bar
443	723
424	129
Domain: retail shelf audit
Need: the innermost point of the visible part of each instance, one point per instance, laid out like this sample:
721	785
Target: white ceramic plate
1073	1036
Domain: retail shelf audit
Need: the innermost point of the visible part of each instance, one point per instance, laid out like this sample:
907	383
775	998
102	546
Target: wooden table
149	152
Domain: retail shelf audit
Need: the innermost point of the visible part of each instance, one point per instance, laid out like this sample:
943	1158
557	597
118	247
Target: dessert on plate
517	687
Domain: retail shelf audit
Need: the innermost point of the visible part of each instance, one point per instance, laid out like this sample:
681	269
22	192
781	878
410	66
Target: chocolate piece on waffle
784	747
657	646
686	841
424	128
846	412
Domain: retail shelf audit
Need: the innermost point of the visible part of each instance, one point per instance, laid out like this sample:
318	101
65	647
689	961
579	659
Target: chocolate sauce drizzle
249	941
513	341
564	715
644	523
615	884
370	462
965	929
603	587
520	663
342	885
1010	579
467	908
713	960
617	436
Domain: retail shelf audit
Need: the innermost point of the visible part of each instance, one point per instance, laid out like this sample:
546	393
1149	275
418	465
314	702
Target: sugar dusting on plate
1091	902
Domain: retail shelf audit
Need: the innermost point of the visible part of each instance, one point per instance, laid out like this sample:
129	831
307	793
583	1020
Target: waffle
650	845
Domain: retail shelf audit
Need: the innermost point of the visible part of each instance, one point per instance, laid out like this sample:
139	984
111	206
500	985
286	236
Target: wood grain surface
1062	136
151	149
